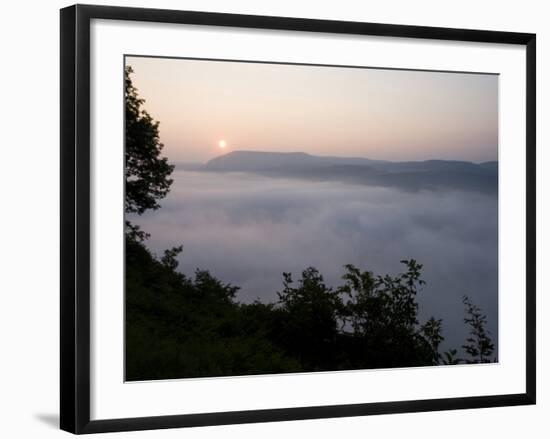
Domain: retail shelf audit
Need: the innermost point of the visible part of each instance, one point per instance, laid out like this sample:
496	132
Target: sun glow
222	144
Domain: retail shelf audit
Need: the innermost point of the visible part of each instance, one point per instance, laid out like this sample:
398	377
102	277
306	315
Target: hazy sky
374	113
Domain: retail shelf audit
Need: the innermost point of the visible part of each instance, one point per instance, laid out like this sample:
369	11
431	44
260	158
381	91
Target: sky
209	108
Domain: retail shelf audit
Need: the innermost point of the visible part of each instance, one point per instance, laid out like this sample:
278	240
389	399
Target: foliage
383	311
180	326
309	327
169	259
450	357
479	345
147	174
190	327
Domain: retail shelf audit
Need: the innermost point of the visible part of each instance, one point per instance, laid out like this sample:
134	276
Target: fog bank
248	229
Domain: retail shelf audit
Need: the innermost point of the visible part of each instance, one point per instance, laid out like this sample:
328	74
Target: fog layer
248	229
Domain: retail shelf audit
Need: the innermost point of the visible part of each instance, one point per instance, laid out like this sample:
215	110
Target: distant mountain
490	165
263	161
411	175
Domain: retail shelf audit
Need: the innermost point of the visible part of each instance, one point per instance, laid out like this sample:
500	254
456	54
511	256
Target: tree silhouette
169	259
479	346
450	357
382	311
310	320
179	326
147	173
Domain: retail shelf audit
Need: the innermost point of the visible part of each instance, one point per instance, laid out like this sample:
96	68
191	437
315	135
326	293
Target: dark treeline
179	326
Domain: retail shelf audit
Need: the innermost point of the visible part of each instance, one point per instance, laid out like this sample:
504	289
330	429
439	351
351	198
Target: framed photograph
273	218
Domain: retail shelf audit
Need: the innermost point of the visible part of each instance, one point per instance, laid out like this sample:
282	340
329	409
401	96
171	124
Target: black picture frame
75	217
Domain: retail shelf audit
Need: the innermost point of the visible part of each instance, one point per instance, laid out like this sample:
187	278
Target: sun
222	144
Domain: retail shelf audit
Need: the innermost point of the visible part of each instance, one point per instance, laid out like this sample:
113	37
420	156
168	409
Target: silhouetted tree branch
479	345
147	173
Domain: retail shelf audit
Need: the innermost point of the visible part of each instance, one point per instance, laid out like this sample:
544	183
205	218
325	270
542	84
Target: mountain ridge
247	154
408	175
